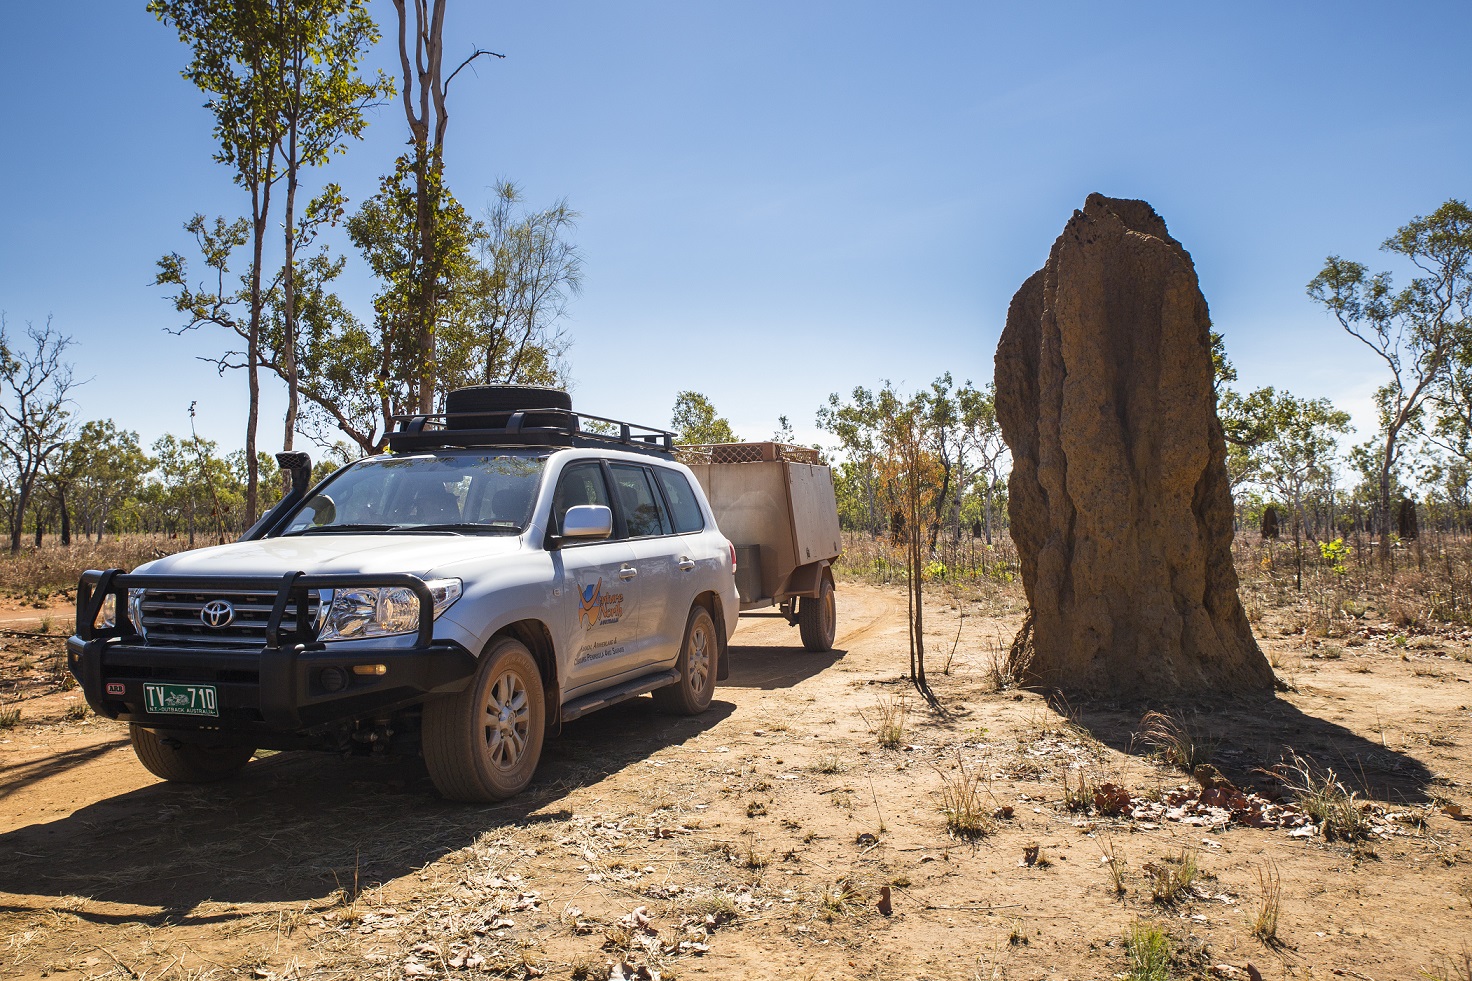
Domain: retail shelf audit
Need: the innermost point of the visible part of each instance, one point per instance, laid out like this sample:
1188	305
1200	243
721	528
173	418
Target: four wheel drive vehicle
499	572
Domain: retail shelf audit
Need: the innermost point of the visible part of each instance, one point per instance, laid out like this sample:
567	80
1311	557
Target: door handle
686	563
627	572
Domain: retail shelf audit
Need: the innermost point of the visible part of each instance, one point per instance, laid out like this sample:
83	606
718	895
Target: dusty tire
817	618
483	744
697	666
186	763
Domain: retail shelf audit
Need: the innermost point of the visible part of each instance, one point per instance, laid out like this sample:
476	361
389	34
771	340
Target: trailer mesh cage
698	453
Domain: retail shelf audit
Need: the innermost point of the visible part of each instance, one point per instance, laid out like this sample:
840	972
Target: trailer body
777	505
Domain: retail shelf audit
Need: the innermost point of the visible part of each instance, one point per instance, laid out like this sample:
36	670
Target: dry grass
1323	797
40	574
1078	796
1269	904
1114	862
1171	879
9	717
893	714
1147	947
828	763
964	802
1177	739
1455	968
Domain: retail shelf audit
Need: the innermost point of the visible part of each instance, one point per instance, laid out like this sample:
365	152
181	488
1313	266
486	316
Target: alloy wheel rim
508	721
699	659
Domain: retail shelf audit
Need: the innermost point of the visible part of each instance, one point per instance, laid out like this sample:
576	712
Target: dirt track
758	836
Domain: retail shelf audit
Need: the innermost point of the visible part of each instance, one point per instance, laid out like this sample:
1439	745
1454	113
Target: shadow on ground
768	668
294	827
1251	734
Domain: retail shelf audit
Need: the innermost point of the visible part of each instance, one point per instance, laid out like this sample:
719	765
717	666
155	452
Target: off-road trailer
776	503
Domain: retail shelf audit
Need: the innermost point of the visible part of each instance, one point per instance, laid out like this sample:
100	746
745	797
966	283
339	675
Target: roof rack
526	427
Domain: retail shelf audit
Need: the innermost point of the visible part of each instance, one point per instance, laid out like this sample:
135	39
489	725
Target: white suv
499	572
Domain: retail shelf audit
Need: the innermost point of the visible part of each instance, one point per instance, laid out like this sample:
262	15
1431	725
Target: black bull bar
272	688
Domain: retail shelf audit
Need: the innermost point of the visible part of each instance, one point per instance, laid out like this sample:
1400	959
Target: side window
643	512
684	509
581	483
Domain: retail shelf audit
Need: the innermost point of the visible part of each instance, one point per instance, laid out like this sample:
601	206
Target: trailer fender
805	580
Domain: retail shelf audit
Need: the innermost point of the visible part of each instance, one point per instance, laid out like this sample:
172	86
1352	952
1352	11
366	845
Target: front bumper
280	688
264	691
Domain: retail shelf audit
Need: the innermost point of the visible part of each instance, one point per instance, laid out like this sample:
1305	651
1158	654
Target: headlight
107	617
383	611
135	608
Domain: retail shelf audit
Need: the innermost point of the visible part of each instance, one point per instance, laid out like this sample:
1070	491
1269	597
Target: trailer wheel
483	744
698	656
817	618
186	763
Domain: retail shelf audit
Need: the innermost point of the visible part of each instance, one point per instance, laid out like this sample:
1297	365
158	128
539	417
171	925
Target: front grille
173	618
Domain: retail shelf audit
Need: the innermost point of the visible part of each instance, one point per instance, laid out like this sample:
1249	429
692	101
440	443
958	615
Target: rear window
684	508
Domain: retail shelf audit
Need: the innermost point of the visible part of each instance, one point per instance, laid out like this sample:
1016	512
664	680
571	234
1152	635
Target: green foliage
1147	948
695	421
1334	553
1418	331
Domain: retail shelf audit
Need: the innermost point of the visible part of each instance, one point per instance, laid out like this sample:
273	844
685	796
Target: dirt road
757	840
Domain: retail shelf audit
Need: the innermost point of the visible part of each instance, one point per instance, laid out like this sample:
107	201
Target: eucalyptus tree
984	446
321	109
1299	455
238	64
531	270
35	417
101	467
1415	330
695	421
425	92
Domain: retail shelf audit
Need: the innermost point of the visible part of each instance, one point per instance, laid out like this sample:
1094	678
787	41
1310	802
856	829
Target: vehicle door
600	591
702	559
656	559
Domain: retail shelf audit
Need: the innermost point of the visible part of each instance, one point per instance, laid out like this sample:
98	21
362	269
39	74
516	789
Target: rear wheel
483	744
184	762
691	695
817	618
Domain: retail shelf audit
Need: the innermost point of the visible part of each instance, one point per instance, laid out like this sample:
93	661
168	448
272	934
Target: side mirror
587	521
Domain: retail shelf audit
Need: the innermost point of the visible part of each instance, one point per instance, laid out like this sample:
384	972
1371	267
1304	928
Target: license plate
181	700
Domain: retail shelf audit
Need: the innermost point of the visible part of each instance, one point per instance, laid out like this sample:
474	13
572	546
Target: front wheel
482	744
697	666
184	762
817	618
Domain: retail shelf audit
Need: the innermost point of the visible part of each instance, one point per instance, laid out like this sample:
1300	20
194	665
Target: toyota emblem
217	613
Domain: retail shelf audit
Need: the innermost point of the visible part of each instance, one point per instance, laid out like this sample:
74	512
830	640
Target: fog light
333	679
370	670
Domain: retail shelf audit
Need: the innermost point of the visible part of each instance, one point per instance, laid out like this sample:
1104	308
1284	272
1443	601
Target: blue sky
779	200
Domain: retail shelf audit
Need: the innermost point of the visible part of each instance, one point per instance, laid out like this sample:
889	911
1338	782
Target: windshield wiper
336	529
493	527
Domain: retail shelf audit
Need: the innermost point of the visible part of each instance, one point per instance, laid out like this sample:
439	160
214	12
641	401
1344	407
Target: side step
579	707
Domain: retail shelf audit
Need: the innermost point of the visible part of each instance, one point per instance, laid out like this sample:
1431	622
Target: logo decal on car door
597	608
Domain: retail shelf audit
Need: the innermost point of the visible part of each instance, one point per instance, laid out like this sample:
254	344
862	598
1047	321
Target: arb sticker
116	688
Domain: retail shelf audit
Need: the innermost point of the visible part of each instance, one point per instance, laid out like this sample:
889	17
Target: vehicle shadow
1247	736
295	827
23	775
767	668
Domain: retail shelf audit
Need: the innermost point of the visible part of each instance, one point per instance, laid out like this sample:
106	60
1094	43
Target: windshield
445	492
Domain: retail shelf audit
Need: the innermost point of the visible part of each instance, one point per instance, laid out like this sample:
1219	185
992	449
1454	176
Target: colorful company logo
597	608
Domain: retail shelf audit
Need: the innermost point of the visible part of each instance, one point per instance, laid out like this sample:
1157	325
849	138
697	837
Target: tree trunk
66	520
424	216
17	523
288	295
